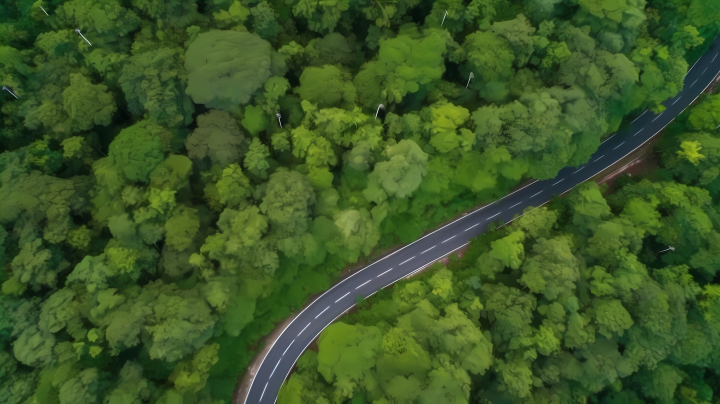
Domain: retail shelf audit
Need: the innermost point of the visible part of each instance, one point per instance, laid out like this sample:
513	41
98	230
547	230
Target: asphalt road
333	303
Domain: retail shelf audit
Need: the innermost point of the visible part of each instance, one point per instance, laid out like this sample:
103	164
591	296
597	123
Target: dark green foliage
158	220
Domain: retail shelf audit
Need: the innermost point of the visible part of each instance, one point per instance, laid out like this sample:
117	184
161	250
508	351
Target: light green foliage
489	55
710	305
235	15
663	72
175	321
145	261
287	202
93	272
552	269
643	214
705	117
81	389
325	86
607	9
399	175
519	34
557	52
688	37
137	150
132	386
226	67
691	152
107	18
611	317
612	240
256	159
34	347
191	376
36	265
445	120
405	63
509	250
516	376
441	287
321	17
537	222
238	247
255	120
275	88
79	107
460	15
218	137
181	228
589	207
512	310
359	233
233	187
347	352
86	104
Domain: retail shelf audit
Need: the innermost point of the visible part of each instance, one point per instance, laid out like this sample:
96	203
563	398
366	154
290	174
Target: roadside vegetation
157	218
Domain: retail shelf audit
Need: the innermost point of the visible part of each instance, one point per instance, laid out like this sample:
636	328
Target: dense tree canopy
171	192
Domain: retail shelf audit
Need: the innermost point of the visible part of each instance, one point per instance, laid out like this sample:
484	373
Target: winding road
411	258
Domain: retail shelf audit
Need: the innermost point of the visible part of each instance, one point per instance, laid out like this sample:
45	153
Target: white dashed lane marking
273	372
494	215
329	306
468	229
515	205
427	250
639	116
360	286
346	295
378	276
407	260
558	182
619	145
449	239
578	170
308	325
638	132
286	349
537	194
263	393
693	83
677	100
656	118
599	157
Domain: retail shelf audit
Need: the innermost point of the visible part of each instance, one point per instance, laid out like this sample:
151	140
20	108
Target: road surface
411	258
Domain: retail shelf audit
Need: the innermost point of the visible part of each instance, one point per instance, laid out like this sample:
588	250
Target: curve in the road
308	324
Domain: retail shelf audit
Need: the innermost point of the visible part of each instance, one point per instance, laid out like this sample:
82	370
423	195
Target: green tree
489	55
325	86
552	269
226	67
153	82
218	136
256	159
400	175
137	150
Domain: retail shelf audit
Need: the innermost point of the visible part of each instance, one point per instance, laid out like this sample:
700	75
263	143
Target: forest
578	301
160	214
